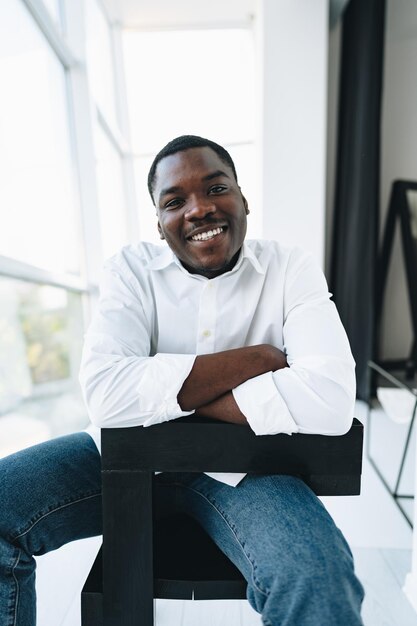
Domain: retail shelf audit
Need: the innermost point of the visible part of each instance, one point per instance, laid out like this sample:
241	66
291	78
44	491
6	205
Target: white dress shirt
154	318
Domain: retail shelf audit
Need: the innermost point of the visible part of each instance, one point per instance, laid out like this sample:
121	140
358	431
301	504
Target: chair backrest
329	465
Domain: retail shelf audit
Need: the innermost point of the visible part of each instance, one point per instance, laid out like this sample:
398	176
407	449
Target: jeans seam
58	508
17	587
253	566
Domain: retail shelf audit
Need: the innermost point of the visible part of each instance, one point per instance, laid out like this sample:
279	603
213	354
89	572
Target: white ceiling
144	14
171	13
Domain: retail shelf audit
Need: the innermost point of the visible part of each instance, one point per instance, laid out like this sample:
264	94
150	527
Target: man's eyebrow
167	190
215	174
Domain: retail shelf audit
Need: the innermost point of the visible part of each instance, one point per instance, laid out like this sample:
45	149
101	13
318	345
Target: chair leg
127	549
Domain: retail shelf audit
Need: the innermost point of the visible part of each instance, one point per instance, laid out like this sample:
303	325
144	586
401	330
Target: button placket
207	319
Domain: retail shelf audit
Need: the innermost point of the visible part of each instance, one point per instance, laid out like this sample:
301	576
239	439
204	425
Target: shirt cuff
159	387
263	406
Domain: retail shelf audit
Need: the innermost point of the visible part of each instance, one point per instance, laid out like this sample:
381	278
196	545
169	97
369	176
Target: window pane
41	330
100	61
38	209
111	197
189	82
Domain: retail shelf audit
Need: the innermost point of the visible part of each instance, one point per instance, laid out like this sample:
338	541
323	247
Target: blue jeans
297	564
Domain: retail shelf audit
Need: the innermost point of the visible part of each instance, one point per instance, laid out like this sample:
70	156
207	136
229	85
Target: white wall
292	38
399	155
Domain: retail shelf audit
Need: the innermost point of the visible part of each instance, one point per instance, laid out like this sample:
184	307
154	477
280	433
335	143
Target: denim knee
51	494
314	584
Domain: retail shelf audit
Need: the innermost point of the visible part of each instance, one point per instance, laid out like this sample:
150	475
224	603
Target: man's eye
217	188
173	204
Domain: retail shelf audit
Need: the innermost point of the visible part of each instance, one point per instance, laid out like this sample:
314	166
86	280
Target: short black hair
185	142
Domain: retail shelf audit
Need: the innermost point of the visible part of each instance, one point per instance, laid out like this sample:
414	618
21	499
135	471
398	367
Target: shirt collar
248	253
167	257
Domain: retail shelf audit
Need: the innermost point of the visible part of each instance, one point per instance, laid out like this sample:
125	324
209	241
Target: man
240	331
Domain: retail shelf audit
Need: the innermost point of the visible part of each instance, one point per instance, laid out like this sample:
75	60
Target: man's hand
214	375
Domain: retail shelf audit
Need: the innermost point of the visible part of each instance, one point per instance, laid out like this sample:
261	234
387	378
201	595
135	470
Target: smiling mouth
208	234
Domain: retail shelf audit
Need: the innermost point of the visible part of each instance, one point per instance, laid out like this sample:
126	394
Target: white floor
377	532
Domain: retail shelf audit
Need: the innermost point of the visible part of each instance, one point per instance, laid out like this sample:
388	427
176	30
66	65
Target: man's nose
200	208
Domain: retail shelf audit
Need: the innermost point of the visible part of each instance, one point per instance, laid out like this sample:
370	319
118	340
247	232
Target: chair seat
186	564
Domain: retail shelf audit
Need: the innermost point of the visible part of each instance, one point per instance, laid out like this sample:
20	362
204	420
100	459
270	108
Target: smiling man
241	331
201	210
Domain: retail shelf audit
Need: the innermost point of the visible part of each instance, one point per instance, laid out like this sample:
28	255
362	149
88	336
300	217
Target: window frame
67	41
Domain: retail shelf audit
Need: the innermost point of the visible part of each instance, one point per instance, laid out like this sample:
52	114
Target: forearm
213	375
224	409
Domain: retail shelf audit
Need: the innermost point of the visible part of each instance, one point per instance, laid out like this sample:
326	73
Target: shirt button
206	333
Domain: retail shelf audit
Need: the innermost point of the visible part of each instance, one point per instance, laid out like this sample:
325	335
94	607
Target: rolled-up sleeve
264	407
122	384
316	393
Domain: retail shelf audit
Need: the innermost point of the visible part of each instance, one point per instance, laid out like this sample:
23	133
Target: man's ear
161	234
245	204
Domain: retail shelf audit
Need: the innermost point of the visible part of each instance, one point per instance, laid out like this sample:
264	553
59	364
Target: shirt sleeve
121	383
316	393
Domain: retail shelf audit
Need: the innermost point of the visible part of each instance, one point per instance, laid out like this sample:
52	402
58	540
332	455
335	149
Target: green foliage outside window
46	337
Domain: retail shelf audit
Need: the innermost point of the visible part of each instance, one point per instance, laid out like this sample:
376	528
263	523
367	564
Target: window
111	195
100	61
37	194
54	9
40	347
110	145
51	188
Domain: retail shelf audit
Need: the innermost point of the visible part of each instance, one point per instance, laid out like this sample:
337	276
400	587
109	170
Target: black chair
185	563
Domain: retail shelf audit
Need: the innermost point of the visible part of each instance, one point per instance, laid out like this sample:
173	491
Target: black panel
195	445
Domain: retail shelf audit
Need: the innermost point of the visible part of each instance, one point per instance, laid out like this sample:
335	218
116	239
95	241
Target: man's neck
213	273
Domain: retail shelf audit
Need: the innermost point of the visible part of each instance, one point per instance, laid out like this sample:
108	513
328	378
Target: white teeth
207	235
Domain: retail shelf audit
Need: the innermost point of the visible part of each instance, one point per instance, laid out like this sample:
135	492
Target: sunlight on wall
191	82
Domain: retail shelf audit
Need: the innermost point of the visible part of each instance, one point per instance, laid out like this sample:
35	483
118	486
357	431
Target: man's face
201	210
